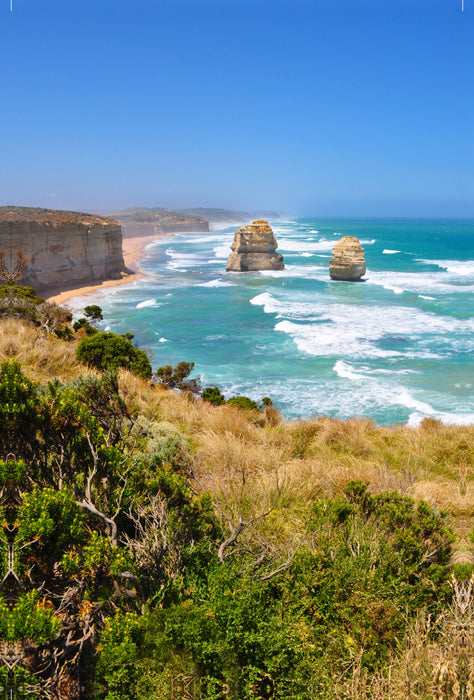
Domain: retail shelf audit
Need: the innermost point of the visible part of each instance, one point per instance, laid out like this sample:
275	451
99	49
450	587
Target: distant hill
142	221
231	216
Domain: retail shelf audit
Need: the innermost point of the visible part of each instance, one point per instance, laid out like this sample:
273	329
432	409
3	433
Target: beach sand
133	252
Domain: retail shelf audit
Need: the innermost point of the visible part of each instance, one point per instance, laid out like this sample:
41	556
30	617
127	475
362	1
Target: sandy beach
133	252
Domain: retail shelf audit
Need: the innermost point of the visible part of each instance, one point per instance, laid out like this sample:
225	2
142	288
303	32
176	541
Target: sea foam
148	302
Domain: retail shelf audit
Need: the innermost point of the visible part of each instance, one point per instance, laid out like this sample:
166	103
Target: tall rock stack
348	261
254	248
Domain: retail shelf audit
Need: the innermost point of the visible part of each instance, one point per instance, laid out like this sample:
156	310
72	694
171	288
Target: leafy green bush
213	395
93	313
110	351
31	618
10	290
84	323
243	402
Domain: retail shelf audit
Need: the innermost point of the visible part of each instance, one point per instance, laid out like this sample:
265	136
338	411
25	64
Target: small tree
177	377
110	351
93	313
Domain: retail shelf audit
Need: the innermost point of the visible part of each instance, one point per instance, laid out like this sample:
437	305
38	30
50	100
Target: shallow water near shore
396	348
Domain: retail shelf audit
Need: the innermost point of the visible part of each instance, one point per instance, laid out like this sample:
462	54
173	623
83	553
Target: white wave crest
387	251
416	282
301	245
148	302
222	251
344	370
461	268
446	418
183	261
215	283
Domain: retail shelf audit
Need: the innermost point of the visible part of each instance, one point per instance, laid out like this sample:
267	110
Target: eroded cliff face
62	247
254	248
348	261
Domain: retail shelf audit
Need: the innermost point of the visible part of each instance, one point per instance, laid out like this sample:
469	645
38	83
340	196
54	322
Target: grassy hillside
235	554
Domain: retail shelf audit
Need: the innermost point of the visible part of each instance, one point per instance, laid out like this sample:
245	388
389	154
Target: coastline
133	251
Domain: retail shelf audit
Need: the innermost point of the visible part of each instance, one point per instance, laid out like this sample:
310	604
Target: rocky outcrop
348	261
254	248
62	248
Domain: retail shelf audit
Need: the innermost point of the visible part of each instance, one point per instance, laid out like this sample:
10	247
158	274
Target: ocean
395	348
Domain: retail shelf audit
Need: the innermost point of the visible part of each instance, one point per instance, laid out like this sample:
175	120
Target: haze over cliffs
137	221
144	221
62	247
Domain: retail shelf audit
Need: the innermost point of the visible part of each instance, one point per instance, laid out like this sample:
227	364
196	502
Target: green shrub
177	377
110	351
84	323
93	313
213	395
243	402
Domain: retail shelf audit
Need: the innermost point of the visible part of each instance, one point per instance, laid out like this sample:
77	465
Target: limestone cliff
62	247
348	261
254	248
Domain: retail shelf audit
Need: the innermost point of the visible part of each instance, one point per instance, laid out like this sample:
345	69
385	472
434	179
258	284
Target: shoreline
133	251
133	248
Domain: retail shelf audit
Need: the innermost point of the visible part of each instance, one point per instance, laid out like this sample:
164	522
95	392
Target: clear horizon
355	109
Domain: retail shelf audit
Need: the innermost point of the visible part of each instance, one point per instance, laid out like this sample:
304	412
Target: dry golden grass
315	457
302	460
42	356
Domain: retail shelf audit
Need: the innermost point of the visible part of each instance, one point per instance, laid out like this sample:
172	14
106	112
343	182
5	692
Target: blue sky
324	108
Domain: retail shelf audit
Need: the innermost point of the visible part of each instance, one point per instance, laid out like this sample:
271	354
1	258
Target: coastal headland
50	248
68	254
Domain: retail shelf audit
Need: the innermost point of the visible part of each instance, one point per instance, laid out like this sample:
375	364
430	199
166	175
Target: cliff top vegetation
156	545
13	214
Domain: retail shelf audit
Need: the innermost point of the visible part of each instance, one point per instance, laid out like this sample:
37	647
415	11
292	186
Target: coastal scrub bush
243	402
177	377
213	395
17	301
93	313
110	351
84	323
9	290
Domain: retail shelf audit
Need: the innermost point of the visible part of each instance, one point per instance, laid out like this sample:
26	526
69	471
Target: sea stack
254	248
348	261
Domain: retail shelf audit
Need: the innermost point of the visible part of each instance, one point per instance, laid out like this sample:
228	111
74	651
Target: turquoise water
395	348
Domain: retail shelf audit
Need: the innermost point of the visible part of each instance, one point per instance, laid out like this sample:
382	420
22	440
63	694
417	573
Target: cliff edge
62	247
